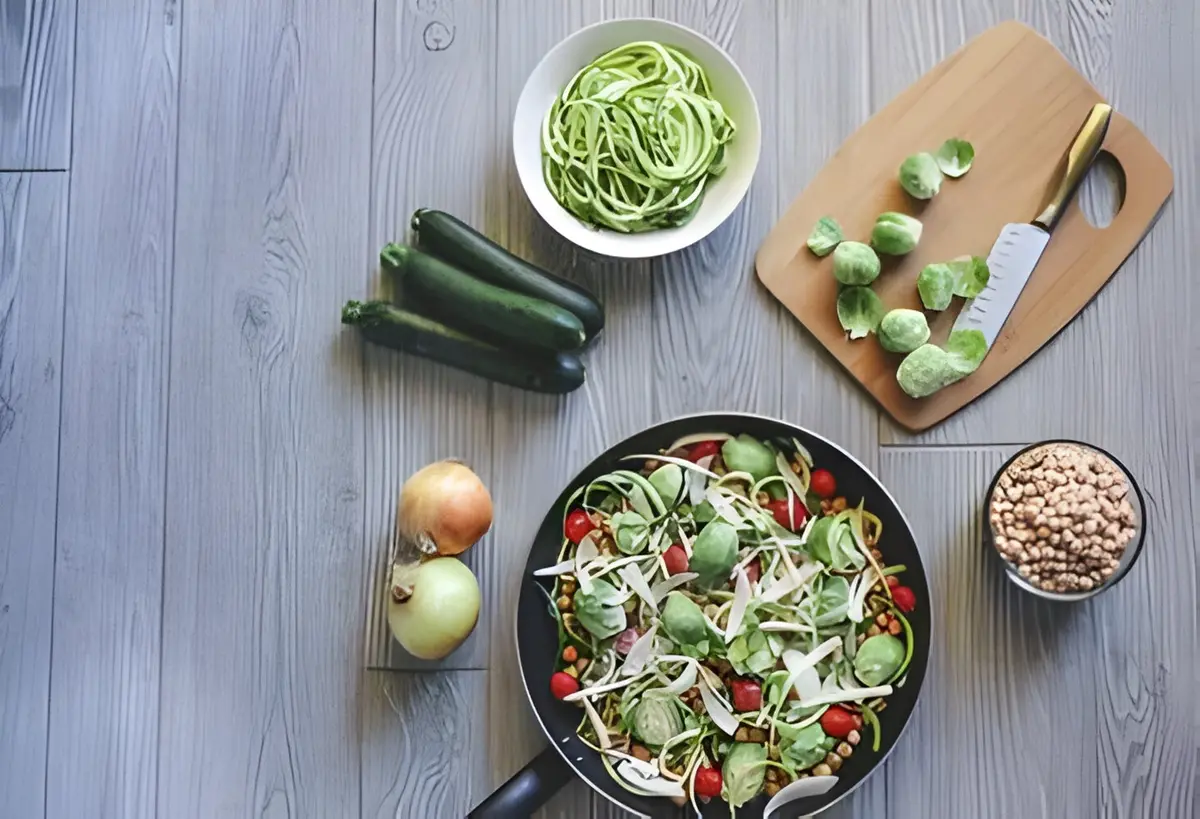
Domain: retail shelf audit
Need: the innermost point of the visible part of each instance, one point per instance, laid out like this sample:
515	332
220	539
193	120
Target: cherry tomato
577	525
893	581
676	559
779	508
822	483
904	598
562	684
837	722
747	695
708	782
703	450
753	571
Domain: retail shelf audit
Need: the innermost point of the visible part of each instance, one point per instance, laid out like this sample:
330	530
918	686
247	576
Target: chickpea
770	788
762	498
564	603
822	770
894	628
854	737
833	761
581	664
881	620
844	749
570	654
838	504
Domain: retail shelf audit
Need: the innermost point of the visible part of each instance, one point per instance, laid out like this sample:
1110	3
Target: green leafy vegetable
743	772
859	310
855	263
878	658
656	719
802	747
970	276
631	531
683	620
894	234
920	176
955	156
667	481
633	139
751	654
967	349
818	540
831	601
826	235
935	284
902	331
598	611
714	553
745	453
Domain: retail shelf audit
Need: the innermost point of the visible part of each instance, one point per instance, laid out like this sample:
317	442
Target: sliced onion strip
597	725
640	653
664	587
721	716
741	600
633	576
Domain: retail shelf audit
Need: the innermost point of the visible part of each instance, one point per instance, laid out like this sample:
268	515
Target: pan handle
529	789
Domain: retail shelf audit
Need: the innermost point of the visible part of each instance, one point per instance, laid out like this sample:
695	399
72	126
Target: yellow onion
433	606
444	508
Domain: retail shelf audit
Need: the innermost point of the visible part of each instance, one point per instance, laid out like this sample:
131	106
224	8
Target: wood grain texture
1012	678
262	628
109	575
33	210
541	441
1008	68
422	756
434	75
36	68
812	117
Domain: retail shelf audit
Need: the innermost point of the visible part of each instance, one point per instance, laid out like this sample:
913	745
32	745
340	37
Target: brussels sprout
878	658
818	540
920	176
631	531
743	772
596	611
970	276
967	349
746	453
667	481
859	310
825	236
955	156
683	619
935	284
855	263
714	553
902	331
894	234
656	719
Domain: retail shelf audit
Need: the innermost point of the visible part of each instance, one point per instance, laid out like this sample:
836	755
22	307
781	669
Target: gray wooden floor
198	466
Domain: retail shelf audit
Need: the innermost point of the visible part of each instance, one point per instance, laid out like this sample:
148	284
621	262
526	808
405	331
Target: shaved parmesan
633	576
741	600
780	588
800	789
717	712
723	506
558	568
636	659
796	662
790	478
664	587
597	725
850	695
685	680
808	685
859	589
697	481
584	693
783	625
587	550
646	777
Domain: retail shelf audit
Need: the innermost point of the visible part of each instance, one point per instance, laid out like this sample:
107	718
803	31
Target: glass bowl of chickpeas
1066	519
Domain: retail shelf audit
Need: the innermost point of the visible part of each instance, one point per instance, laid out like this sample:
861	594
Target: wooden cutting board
1017	99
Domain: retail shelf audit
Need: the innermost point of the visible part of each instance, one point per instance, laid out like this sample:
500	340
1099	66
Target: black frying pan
537	637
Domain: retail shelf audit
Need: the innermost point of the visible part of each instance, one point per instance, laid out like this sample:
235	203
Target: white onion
433	606
444	508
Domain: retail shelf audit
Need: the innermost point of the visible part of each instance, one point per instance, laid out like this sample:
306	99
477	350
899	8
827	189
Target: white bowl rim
671	239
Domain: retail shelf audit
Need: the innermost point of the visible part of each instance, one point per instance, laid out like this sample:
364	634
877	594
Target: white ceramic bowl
729	87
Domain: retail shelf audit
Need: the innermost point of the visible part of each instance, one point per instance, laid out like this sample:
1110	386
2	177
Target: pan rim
761	417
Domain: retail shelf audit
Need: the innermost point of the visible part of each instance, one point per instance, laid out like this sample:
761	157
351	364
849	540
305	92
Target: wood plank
36	78
33	210
541	441
262	648
434	73
109	578
1004	665
718	342
422	750
823	95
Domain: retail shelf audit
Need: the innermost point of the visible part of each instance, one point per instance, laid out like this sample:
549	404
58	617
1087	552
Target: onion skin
439	610
444	508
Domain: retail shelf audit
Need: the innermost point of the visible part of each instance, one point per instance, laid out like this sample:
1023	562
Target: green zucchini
381	322
478	307
460	244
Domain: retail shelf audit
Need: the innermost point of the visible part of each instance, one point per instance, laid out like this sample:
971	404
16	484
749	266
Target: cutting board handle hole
1103	191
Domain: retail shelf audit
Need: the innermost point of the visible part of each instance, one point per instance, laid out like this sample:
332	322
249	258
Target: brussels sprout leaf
859	310
955	157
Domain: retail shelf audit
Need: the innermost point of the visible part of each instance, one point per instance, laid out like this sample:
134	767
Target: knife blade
1019	247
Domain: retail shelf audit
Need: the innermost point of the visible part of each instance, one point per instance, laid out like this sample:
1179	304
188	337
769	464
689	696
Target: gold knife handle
1080	157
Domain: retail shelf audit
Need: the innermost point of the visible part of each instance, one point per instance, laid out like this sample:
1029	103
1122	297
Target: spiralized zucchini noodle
633	139
726	631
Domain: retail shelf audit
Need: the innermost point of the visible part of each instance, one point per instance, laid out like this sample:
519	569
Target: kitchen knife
1019	247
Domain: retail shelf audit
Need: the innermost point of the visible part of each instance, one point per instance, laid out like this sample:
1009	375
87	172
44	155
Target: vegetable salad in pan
727	623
